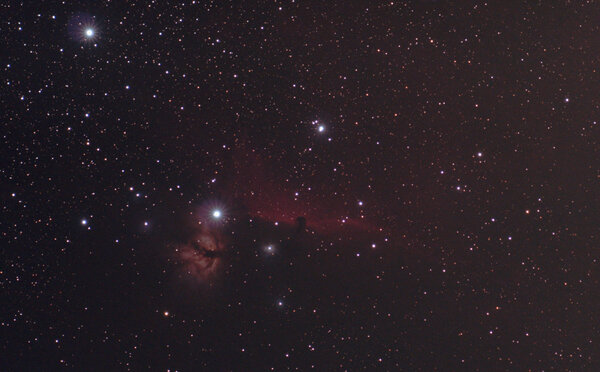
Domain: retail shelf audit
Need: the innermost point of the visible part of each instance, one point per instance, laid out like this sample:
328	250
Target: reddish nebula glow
273	198
202	257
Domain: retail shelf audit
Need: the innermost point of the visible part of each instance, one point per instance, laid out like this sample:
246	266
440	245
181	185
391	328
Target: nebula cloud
201	258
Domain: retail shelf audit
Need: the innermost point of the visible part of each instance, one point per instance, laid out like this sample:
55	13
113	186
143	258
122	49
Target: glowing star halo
83	27
88	31
213	213
269	249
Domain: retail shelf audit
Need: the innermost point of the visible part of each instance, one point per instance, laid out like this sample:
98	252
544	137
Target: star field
297	185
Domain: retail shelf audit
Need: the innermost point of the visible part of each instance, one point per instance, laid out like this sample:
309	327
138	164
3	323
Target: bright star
217	213
89	32
321	128
84	222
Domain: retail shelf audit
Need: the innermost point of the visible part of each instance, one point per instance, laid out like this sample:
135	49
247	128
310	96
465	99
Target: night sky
296	185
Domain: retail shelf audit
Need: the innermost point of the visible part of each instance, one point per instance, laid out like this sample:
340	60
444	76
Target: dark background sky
444	156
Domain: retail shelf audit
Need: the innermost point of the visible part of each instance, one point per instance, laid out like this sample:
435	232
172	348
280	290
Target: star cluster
218	185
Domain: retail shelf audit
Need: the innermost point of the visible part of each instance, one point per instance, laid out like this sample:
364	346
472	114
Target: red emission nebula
201	256
277	199
264	195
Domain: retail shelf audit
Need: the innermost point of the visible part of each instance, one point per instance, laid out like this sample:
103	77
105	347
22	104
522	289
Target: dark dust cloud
297	185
